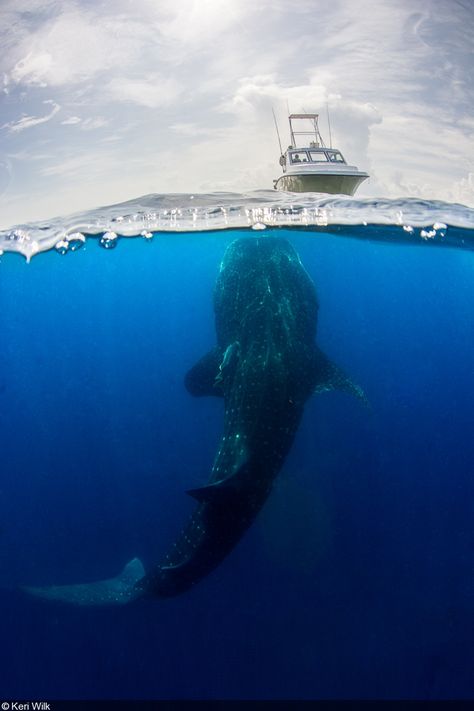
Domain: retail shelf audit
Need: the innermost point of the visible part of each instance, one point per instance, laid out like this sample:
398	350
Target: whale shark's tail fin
113	591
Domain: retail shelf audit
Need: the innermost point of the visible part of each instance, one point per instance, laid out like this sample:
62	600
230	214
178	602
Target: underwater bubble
259	226
427	234
147	235
441	228
108	240
75	241
62	247
408	228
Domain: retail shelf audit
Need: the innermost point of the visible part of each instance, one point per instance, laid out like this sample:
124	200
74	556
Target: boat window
336	157
299	157
318	156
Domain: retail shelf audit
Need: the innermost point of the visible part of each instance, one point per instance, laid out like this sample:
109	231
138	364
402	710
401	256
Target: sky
102	102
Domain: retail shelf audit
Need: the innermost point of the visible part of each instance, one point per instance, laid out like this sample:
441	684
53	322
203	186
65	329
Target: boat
313	167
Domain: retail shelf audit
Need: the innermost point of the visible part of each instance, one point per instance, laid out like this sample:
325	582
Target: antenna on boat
329	125
292	139
278	132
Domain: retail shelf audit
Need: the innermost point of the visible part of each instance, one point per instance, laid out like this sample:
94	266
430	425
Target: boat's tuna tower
311	130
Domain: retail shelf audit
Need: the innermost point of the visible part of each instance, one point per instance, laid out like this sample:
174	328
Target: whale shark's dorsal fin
112	591
201	379
329	376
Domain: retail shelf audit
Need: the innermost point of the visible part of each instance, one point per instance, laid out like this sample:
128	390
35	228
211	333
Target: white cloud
198	22
5	174
69	166
32	69
74	46
190	130
29	121
153	91
257	93
29	155
91	163
91	124
71	121
77	43
463	190
88	124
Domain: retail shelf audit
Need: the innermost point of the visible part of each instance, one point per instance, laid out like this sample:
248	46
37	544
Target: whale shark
265	365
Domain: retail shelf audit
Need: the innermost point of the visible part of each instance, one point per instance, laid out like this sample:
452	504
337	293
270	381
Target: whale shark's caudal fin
113	591
330	376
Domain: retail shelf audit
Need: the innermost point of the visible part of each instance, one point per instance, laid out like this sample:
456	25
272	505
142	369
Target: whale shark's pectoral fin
221	490
202	378
212	493
329	376
113	591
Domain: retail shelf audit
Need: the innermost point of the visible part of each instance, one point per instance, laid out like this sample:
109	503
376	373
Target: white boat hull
320	183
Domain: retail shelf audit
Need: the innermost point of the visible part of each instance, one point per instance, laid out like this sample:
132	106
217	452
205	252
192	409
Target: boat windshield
336	157
299	157
318	156
315	155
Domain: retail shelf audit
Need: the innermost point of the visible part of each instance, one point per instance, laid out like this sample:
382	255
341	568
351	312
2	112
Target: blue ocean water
356	581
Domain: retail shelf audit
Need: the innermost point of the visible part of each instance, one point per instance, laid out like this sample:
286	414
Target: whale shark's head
253	251
262	281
